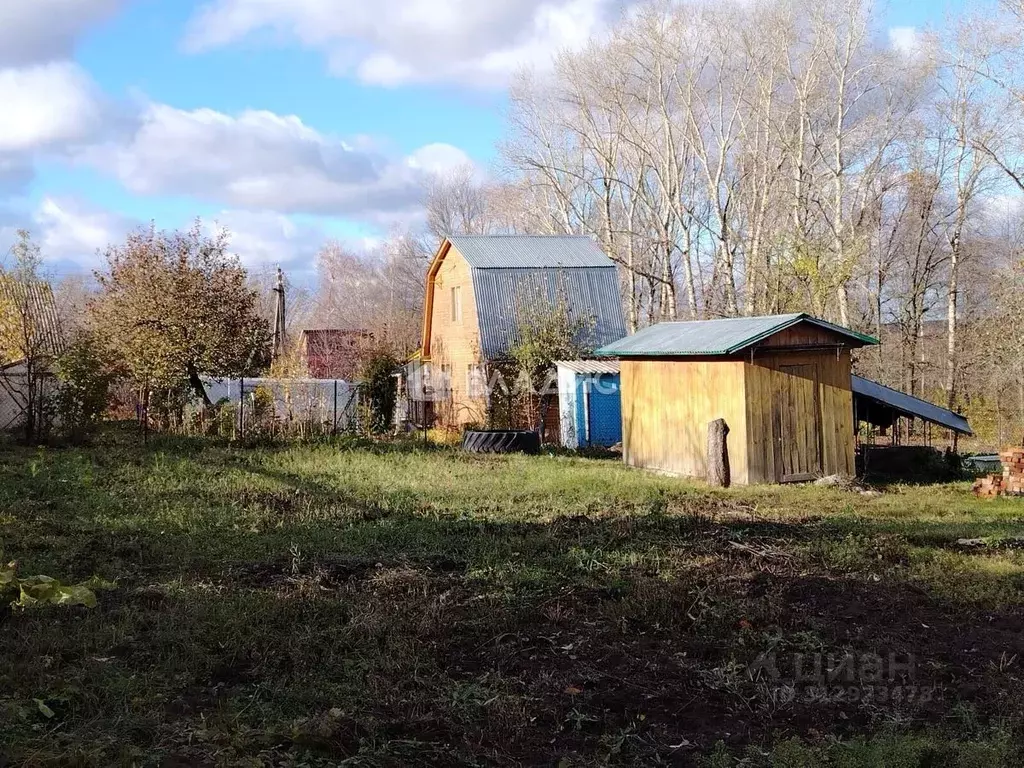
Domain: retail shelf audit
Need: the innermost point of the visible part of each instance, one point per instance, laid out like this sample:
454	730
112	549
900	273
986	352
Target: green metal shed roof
716	337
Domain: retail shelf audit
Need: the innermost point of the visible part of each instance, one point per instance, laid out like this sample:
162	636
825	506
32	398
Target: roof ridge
586	237
545	267
718	336
738	317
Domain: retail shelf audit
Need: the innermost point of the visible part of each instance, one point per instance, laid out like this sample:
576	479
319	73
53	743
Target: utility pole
280	341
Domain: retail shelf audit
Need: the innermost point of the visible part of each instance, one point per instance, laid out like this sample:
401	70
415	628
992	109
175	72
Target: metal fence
288	406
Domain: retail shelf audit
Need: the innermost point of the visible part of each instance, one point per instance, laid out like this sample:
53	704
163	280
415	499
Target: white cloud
439	158
906	40
1001	207
263	161
47	102
262	238
391	42
46	105
34	31
73	233
71	230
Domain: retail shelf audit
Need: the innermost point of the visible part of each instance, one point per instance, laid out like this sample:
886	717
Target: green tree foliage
174	306
379	389
85	375
548	331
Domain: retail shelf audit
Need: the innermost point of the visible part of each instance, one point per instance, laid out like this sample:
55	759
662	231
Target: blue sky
288	121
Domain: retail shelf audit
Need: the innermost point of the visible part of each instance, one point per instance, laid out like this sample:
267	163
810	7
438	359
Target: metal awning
589	367
870	397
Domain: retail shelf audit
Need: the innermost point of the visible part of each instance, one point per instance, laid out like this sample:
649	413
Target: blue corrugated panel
599	402
590	292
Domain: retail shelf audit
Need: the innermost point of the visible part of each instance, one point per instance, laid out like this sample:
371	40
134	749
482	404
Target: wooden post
280	341
718	454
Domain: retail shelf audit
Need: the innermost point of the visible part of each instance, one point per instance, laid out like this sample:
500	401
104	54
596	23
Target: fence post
241	408
334	429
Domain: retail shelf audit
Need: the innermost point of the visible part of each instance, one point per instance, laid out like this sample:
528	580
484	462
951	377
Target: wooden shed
782	383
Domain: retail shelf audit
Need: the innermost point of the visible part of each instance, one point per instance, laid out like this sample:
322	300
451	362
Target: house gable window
457	304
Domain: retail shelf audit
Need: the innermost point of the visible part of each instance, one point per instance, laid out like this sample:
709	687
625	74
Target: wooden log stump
718	454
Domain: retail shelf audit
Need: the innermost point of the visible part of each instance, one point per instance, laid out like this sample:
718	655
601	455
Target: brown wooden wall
806	390
790	414
455	344
666	408
802	335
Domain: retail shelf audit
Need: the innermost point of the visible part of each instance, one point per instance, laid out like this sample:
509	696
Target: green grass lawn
387	605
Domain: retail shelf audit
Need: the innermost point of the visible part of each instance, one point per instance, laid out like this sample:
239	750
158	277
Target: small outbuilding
781	383
589	405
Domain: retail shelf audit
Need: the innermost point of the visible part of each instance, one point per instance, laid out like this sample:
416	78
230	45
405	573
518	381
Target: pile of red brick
1010	483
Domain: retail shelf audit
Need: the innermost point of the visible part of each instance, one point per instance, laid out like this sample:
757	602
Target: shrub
379	390
262	404
84	392
443	436
225	418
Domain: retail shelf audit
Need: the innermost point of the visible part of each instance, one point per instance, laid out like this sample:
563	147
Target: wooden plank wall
802	335
456	344
666	408
763	378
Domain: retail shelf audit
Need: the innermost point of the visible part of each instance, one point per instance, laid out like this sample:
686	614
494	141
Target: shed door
599	409
796	421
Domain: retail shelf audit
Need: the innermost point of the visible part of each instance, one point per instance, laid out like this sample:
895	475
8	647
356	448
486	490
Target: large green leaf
77	595
45	590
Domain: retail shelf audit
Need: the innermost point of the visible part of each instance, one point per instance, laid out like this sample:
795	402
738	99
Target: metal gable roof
588	292
910	405
530	251
714	337
36	298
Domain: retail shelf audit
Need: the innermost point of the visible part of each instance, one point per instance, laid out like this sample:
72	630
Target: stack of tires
501	441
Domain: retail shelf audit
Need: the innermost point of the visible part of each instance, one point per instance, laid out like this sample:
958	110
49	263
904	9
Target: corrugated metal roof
530	252
589	367
588	292
37	299
713	337
909	405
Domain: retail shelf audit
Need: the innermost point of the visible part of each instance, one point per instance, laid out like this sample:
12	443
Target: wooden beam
428	304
